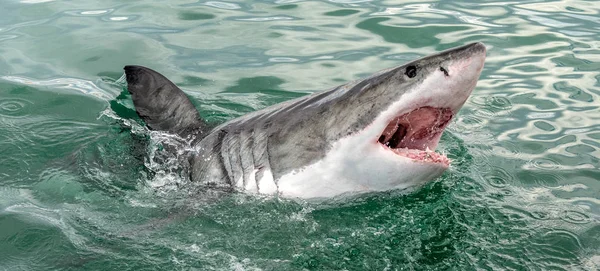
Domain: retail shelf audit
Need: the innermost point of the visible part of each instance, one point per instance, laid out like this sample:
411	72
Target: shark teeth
424	156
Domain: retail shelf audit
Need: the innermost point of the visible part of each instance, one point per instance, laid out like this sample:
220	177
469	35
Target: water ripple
575	217
499	178
14	107
84	86
41	134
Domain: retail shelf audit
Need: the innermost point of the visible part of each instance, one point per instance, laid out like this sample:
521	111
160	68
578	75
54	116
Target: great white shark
373	134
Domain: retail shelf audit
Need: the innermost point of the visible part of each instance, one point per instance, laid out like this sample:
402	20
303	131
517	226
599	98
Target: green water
78	190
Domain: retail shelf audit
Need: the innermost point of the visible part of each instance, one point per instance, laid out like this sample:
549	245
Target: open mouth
416	134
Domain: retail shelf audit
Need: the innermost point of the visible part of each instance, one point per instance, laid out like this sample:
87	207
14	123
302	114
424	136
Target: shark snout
473	60
467	63
458	76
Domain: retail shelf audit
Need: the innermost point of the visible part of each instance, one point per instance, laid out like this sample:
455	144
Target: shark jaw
396	150
416	134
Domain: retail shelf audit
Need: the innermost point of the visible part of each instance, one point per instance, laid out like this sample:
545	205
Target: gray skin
283	137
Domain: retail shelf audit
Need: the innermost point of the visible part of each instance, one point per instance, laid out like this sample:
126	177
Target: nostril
444	71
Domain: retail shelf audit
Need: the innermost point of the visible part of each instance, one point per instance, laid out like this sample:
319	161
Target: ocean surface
80	190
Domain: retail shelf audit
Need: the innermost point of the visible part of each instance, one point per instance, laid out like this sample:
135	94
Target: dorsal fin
161	104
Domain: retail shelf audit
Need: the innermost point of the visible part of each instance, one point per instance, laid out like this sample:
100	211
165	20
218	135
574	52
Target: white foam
266	184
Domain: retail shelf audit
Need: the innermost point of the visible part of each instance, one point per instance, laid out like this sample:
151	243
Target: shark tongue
417	133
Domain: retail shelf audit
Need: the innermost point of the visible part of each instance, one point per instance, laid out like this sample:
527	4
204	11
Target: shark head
381	133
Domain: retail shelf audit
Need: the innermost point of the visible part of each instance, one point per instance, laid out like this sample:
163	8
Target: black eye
411	71
444	71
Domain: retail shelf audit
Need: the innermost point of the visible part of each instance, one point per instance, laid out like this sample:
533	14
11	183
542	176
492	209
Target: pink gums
416	134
